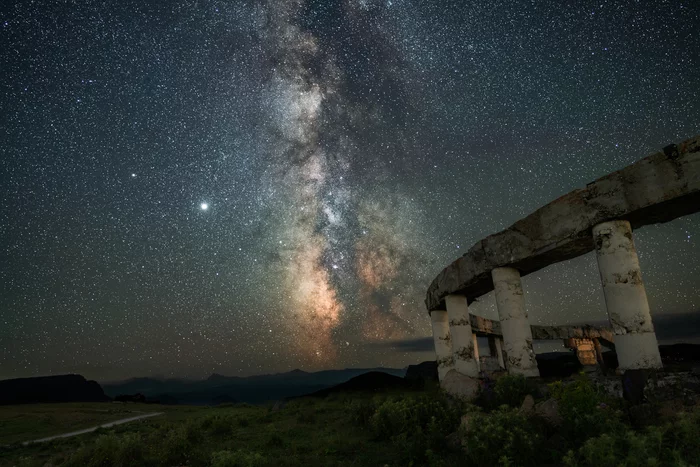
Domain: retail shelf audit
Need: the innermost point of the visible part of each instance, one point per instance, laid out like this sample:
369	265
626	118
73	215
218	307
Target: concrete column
517	336
443	343
625	297
461	332
496	350
476	352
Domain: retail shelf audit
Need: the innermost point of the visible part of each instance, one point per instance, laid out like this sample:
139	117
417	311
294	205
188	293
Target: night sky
240	187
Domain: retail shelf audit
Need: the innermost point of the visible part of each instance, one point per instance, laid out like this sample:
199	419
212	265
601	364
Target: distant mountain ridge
251	389
372	381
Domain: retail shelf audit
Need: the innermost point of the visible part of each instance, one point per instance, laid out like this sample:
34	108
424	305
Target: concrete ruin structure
601	217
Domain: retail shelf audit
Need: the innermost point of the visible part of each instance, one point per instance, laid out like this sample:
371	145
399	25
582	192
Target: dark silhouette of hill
252	389
63	388
423	372
680	353
373	381
130	398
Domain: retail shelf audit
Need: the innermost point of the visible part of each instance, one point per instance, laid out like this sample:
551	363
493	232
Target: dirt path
88	430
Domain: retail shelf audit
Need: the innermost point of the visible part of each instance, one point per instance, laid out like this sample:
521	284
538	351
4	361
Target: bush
177	447
673	444
505	436
586	411
361	411
112	450
275	440
218	424
415	425
510	390
244	422
507	390
306	417
684	435
576	397
239	458
410	414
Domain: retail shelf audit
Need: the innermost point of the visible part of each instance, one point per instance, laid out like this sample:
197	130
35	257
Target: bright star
204	206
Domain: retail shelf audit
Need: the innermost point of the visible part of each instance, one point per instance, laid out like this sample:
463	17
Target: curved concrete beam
658	188
486	327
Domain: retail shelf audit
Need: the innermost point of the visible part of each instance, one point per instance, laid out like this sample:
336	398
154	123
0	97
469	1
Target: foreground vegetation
396	429
33	421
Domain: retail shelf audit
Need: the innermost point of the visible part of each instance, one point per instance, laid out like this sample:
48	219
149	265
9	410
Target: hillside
252	389
63	388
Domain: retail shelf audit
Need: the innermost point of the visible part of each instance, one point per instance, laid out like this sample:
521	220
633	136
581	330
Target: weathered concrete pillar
625	297
496	350
443	344
476	352
461	332
517	336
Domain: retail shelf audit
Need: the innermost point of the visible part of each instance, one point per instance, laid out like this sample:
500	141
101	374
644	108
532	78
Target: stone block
549	411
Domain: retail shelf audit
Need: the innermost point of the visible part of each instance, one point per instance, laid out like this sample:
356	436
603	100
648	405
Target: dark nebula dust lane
255	186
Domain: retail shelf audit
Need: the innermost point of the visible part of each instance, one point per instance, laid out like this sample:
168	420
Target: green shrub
507	390
577	396
673	444
239	458
415	425
306	417
206	422
275	440
25	462
684	435
510	390
244	422
504	436
176	447
361	411
110	450
586	410
626	448
219	424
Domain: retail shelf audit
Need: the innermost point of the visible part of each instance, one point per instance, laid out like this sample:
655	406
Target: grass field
308	431
33	421
394	429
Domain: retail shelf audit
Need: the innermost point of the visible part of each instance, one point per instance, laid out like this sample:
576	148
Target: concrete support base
625	297
442	340
517	336
463	351
638	351
461	386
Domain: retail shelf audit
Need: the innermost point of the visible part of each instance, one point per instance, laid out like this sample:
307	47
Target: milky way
328	234
253	186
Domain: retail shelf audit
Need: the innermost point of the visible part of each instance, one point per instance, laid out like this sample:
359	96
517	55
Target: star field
254	186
